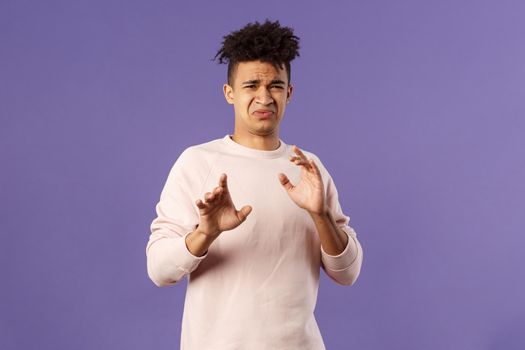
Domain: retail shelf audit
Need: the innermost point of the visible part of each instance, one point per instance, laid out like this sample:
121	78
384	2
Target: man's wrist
197	242
204	235
323	214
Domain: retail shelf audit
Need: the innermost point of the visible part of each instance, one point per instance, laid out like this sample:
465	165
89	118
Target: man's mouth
263	113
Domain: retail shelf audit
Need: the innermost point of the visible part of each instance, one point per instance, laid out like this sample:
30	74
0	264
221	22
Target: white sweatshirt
256	287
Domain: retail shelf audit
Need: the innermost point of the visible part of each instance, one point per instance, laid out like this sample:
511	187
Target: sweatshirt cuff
188	261
343	260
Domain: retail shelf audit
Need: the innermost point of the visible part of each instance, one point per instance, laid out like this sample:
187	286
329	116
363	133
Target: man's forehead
257	70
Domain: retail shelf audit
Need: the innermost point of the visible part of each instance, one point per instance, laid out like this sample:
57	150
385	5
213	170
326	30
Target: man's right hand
218	213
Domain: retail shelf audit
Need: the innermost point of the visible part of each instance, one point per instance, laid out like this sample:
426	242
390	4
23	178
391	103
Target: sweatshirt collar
252	152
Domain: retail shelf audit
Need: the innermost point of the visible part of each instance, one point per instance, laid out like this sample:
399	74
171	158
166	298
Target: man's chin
265	131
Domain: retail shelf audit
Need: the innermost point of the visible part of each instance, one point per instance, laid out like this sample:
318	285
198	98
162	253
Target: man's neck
263	143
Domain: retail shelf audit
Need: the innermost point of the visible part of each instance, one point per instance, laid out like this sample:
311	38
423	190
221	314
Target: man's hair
266	42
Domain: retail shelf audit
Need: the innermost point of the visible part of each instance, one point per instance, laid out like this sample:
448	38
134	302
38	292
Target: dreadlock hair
267	42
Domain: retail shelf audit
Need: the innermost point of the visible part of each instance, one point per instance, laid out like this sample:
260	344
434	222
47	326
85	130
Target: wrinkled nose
264	97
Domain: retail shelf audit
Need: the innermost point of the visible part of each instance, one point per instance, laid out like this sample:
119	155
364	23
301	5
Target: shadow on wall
510	337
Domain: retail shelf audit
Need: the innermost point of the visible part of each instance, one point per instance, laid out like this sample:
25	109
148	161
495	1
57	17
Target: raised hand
217	211
309	192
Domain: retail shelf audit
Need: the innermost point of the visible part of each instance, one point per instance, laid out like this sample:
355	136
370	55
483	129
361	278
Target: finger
315	167
244	212
303	164
217	191
208	197
223	182
298	160
222	179
285	182
200	204
299	152
212	196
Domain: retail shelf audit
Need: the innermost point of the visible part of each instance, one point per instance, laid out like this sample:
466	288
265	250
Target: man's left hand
309	192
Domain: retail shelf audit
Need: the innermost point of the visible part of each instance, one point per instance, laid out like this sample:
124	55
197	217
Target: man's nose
264	97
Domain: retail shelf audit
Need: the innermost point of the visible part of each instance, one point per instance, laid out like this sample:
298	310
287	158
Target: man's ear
228	93
289	93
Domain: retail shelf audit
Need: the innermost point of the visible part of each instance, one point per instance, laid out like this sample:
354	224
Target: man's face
259	96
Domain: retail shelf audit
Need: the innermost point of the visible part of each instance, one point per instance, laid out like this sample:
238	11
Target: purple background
416	108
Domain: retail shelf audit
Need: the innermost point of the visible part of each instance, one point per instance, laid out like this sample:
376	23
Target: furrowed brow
252	82
258	81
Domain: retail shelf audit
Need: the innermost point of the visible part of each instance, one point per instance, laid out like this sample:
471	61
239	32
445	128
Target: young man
254	272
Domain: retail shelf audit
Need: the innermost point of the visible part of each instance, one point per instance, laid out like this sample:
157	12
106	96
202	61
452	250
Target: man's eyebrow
251	82
257	81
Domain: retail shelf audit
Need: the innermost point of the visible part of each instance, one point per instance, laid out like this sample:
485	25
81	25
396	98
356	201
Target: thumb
243	213
285	181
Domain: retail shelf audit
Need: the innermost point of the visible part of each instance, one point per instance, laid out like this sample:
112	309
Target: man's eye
249	86
276	87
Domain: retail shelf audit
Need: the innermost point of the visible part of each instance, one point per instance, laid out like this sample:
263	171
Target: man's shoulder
200	152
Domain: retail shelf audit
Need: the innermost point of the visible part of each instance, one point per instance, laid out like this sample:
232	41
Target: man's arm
333	240
168	258
341	261
341	253
176	247
198	242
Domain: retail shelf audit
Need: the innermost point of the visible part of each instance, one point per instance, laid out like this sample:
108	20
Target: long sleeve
168	258
344	268
268	266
